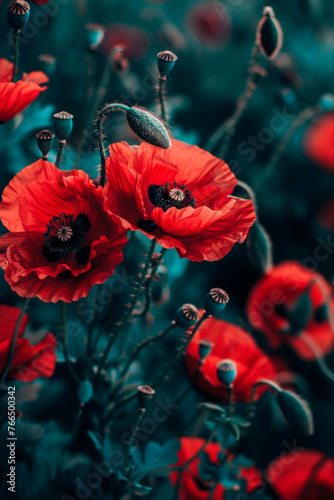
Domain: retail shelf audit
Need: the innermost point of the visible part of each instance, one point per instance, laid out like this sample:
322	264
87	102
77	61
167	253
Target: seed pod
296	412
186	316
63	124
269	34
145	395
204	348
18	14
47	64
226	371
94	35
148	127
166	62
44	142
215	301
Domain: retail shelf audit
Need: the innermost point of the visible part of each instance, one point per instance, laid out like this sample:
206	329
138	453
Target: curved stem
127	314
269	383
12	347
161	98
16	35
100	117
314	347
145	343
250	193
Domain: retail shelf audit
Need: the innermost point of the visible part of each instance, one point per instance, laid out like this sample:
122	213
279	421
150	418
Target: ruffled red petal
6	70
16	97
9	317
37	77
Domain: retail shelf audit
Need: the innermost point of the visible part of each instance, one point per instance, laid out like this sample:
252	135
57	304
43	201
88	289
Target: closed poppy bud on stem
215	301
148	127
166	62
226	371
44	142
145	395
94	35
296	412
18	14
186	316
269	34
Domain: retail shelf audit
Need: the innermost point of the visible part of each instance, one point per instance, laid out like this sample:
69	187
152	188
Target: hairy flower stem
228	128
303	117
161	91
191	459
100	117
16	34
61	147
128	313
178	355
12	347
141	414
314	347
64	344
145	343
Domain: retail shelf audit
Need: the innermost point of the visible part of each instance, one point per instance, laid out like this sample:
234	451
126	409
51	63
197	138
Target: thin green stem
127	314
319	357
161	98
61	147
16	35
133	435
64	344
13	344
269	383
178	355
100	117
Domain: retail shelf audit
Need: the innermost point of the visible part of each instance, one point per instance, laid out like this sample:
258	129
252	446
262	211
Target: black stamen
170	195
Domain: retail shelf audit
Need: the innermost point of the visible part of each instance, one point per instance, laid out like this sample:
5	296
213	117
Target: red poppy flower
210	23
40	2
304	475
192	487
29	362
326	216
133	39
62	242
230	342
272	297
318	142
16	97
180	196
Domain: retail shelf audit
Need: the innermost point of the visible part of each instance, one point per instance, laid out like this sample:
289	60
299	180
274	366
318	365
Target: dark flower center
166	196
65	234
169	195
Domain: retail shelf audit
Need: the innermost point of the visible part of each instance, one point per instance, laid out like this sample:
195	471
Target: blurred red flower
40	2
325	216
29	362
133	39
210	23
192	487
16	97
304	475
318	142
180	196
272	297
62	242
230	342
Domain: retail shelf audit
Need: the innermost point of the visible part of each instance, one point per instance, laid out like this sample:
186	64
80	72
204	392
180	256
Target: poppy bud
296	412
148	127
44	142
269	34
120	62
85	392
166	62
145	395
215	301
259	247
300	314
63	124
18	14
226	371
186	316
326	101
94	35
47	64
204	348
